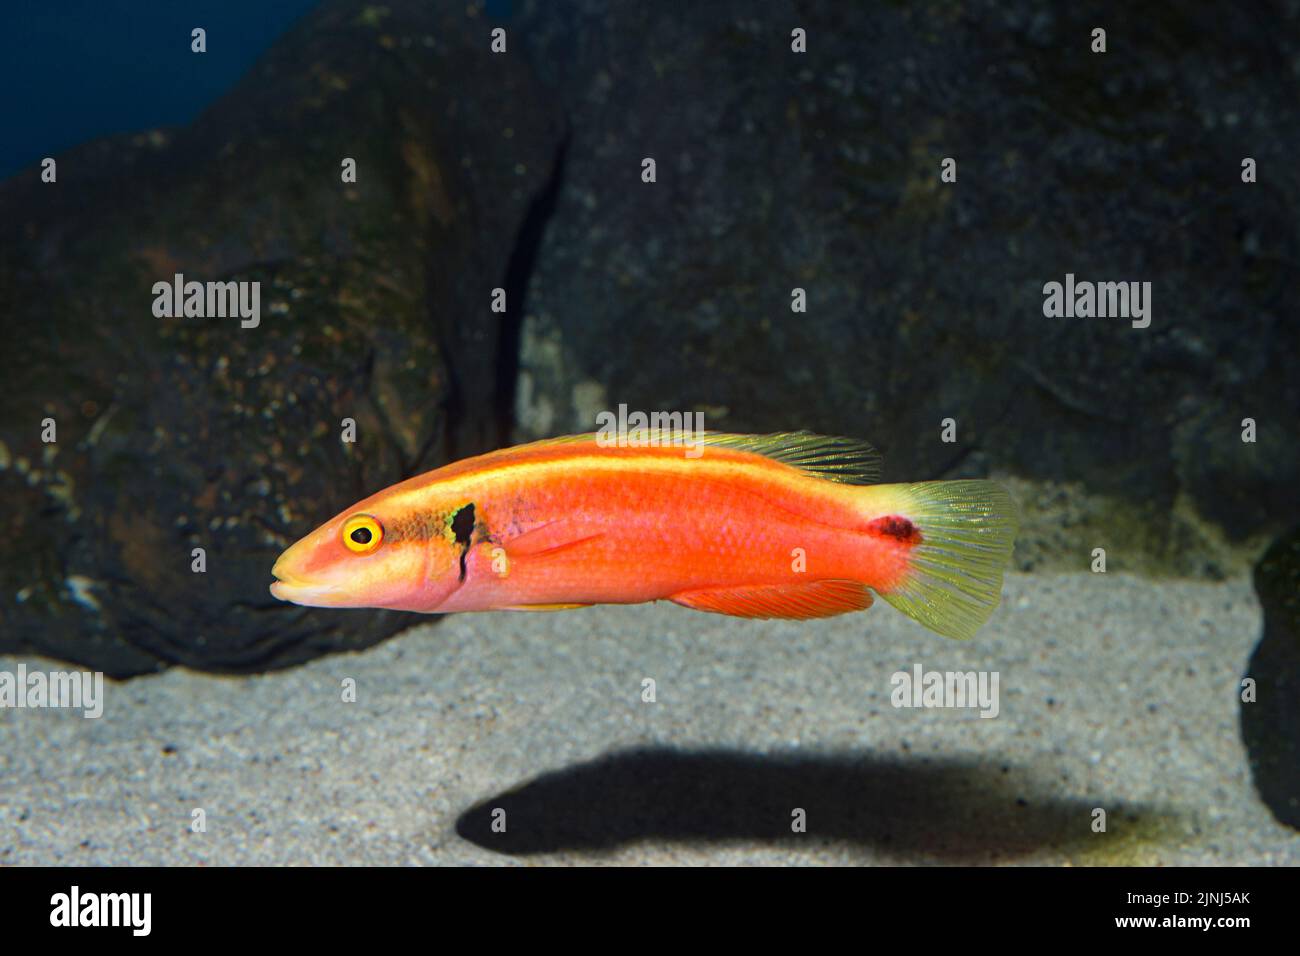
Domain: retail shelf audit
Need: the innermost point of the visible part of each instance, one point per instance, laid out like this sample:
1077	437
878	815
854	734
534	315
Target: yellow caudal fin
954	577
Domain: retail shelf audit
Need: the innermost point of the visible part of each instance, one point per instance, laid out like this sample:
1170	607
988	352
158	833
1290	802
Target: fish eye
362	534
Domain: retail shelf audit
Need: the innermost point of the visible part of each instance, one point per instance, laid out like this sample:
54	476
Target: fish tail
957	537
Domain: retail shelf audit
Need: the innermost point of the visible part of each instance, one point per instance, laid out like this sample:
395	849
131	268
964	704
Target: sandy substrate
1115	694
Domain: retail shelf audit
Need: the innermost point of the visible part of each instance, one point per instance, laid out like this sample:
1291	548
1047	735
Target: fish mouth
288	588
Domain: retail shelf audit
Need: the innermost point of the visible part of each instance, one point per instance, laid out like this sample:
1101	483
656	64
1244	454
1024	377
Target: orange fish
787	525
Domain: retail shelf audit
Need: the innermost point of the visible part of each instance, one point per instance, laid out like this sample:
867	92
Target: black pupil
361	535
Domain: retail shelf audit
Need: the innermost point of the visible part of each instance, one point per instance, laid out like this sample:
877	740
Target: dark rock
1270	726
925	300
182	433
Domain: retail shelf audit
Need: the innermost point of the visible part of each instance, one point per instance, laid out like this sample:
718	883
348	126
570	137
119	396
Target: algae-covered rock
777	170
1270	724
176	434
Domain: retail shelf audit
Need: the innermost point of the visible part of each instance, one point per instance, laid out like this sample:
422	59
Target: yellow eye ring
362	534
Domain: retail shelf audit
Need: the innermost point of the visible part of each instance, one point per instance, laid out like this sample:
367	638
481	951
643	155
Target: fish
791	525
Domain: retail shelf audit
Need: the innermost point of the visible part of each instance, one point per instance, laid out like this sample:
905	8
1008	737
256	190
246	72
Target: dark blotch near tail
898	527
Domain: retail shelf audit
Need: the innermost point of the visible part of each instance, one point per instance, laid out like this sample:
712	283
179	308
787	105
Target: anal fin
794	601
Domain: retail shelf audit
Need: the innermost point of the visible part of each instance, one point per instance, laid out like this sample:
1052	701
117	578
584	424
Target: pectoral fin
794	601
548	538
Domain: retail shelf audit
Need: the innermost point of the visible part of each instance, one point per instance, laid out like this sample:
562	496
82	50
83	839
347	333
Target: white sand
1141	679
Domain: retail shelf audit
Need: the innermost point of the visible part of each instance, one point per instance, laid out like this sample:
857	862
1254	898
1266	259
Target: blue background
74	70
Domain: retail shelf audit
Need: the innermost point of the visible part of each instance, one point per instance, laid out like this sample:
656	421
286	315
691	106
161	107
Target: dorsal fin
846	460
833	458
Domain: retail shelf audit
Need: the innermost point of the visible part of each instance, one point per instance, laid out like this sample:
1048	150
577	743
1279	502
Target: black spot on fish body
462	526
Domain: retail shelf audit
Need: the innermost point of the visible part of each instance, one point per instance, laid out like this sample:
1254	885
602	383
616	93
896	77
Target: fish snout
290	586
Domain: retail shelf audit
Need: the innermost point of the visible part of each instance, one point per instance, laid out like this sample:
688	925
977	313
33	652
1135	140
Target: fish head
376	554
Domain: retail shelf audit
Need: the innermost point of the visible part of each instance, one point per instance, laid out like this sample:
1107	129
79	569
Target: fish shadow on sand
941	810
